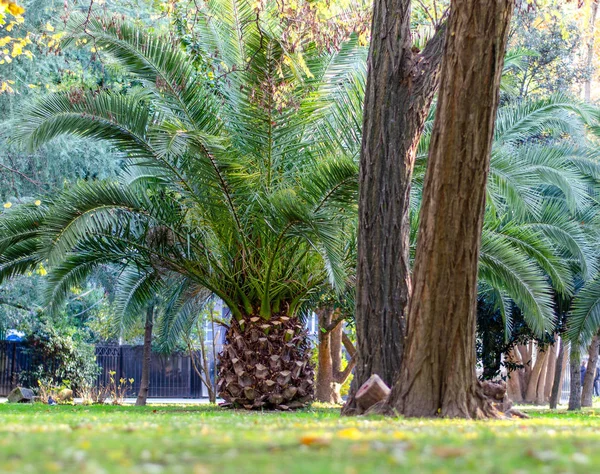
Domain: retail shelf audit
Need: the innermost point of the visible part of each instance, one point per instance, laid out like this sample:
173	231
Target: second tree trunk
438	368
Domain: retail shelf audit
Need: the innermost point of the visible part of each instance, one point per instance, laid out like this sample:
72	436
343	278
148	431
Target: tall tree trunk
550	370
525	373
145	382
538	367
587	86
587	391
401	84
541	385
513	383
438	370
575	369
323	392
336	362
210	388
558	376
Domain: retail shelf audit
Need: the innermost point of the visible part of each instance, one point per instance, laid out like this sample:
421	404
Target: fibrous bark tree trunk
587	391
558	376
575	369
401	83
266	364
147	354
438	376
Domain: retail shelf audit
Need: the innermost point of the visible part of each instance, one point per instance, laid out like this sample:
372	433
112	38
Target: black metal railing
171	376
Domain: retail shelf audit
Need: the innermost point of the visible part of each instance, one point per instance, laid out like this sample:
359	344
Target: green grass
202	439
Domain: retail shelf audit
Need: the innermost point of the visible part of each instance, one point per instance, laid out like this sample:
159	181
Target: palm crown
231	186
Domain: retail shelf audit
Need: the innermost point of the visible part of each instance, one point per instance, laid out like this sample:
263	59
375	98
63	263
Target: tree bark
513	382
325	364
587	86
438	369
575	394
145	382
587	391
550	370
558	376
538	367
330	376
541	385
400	87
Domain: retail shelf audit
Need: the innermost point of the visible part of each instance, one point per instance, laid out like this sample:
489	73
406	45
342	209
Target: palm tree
229	187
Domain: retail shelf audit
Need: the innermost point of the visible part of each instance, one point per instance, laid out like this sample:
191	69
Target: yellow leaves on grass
349	433
7	205
315	440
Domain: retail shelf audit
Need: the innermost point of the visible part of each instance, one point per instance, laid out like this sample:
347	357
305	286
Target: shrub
59	359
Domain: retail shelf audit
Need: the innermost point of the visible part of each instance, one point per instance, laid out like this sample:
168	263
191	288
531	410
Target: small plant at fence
118	389
48	389
94	394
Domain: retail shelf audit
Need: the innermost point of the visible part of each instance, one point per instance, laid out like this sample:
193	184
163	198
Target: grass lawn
202	439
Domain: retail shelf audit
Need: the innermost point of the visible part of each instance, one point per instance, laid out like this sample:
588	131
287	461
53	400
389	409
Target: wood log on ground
21	395
374	390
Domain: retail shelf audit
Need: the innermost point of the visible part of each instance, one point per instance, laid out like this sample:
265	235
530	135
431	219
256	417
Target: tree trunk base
265	365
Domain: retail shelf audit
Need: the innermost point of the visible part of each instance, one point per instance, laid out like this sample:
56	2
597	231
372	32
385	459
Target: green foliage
227	188
59	359
552	32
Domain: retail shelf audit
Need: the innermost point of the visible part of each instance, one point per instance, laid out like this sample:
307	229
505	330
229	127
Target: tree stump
374	390
21	395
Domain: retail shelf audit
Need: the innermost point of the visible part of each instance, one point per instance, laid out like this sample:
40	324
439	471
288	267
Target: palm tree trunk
265	364
538	367
558	375
550	370
147	360
575	394
587	391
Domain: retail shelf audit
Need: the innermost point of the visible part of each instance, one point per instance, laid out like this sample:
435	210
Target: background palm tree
228	188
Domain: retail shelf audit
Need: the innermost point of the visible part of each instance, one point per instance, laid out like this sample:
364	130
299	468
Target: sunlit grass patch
203	439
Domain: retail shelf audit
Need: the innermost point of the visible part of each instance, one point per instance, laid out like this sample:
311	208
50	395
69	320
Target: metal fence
171	376
15	358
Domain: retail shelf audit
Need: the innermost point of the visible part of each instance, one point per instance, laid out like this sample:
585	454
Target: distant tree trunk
438	369
587	391
401	84
558	376
330	376
538	368
575	369
587	86
336	362
145	382
325	365
550	370
513	383
525	353
541	385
